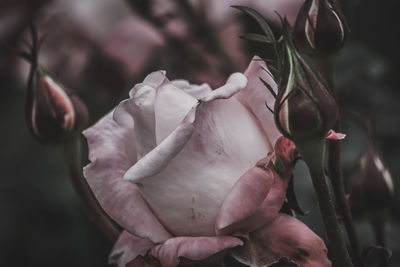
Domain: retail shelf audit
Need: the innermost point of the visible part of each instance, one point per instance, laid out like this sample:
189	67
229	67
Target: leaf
257	38
260	20
268	87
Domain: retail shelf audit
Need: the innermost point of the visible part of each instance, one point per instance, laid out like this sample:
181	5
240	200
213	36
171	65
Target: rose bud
305	108
320	28
372	187
54	114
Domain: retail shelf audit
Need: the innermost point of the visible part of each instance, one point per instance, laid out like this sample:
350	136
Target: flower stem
378	225
93	208
326	66
340	256
336	178
313	153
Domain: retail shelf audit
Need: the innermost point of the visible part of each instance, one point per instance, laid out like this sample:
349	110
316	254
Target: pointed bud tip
53	114
320	28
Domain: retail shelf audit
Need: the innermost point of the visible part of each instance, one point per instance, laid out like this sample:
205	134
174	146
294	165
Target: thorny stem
313	153
336	177
326	66
340	256
93	208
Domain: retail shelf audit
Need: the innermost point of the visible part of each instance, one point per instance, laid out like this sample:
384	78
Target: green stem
313	153
326	66
89	201
336	177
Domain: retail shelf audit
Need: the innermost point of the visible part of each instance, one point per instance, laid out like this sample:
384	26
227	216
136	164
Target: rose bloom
192	173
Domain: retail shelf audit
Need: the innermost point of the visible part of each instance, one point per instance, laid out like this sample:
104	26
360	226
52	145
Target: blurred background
100	49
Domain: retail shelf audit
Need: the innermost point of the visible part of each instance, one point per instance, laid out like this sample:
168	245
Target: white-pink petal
111	152
158	158
235	83
171	106
284	237
256	96
244	199
225	143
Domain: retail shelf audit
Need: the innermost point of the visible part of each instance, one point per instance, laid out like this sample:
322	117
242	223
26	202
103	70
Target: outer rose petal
111	152
250	205
127	248
285	237
285	149
244	198
225	143
255	96
270	207
192	248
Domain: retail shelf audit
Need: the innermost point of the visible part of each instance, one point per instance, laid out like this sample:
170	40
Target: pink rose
178	167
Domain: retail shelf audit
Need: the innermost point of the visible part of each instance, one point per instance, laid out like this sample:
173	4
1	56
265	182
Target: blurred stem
326	66
313	153
72	153
378	226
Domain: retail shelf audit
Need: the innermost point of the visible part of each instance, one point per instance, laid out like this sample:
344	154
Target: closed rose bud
320	28
372	187
54	114
305	108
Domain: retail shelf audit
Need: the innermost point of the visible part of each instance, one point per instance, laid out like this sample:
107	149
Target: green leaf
260	20
268	87
257	38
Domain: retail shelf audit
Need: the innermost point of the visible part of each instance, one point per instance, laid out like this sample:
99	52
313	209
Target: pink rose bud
53	114
372	187
320	28
305	108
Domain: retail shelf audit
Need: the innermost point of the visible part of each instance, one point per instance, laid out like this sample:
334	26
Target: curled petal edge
157	159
